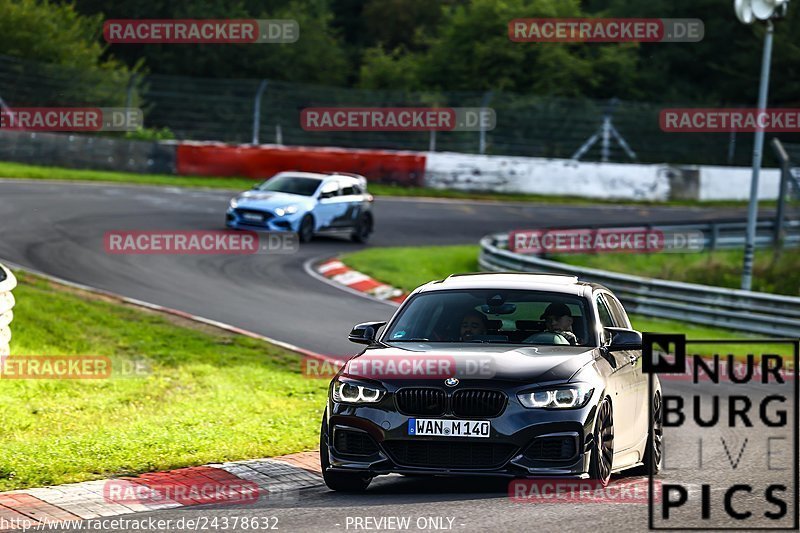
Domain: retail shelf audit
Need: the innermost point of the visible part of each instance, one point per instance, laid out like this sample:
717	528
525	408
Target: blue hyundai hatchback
306	203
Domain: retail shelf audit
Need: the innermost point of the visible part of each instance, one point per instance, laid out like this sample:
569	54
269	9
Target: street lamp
747	11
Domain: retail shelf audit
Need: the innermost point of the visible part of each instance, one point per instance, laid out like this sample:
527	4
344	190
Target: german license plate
253	217
433	427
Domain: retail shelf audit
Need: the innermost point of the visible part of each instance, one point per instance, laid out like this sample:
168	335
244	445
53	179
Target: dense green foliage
463	45
437	45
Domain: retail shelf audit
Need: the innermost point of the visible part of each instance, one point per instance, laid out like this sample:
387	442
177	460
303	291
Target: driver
473	323
557	319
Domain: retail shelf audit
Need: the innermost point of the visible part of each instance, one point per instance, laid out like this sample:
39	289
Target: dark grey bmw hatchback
518	375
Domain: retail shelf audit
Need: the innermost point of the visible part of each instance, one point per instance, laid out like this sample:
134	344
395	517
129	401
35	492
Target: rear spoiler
361	179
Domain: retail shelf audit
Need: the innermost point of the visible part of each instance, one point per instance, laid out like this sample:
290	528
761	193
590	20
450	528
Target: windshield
291	185
494	316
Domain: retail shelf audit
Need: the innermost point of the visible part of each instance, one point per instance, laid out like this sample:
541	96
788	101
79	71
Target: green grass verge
210	396
773	272
410	267
19	170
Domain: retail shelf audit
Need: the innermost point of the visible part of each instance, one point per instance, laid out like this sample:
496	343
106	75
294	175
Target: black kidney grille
478	403
349	442
552	448
448	454
420	401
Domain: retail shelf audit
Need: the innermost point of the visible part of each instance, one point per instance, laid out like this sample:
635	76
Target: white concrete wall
446	170
733	183
546	176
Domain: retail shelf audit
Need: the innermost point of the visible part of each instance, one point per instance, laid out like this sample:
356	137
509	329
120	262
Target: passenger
473	323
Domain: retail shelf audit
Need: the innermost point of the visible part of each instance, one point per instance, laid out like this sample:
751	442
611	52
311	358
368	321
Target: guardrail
753	312
718	235
7	283
721	234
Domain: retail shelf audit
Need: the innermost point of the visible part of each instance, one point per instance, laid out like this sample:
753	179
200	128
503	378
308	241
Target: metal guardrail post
714	236
783	157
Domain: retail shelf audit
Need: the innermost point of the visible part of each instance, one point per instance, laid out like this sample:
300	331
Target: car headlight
234	203
566	397
290	210
347	392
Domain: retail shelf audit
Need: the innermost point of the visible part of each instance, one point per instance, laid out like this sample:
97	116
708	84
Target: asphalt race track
457	504
58	228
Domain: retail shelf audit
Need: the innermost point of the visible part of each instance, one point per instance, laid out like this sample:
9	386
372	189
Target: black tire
653	459
306	232
363	229
338	481
601	460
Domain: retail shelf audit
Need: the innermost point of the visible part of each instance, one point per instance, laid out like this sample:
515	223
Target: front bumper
235	219
511	450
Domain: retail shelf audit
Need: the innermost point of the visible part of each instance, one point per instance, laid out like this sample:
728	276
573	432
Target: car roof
355	178
533	281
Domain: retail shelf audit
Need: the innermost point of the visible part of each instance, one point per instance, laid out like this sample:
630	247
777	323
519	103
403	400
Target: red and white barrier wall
442	170
497	173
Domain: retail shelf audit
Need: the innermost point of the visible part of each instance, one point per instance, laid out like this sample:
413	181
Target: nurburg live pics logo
744	445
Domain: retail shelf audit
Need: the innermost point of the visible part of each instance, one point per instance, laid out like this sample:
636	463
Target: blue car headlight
288	210
572	396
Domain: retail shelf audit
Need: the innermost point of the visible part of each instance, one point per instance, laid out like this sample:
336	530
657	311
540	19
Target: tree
472	52
317	56
57	42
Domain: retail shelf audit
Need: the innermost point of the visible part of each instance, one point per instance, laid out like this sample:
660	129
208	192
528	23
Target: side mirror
623	339
365	333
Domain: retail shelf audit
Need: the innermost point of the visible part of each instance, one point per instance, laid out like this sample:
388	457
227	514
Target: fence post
486	99
731	147
129	91
257	109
